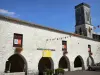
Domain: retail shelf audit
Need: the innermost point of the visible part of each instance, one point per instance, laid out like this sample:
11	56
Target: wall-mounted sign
46	53
17	40
45	49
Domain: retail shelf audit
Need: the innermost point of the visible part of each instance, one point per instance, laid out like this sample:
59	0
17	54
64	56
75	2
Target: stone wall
34	38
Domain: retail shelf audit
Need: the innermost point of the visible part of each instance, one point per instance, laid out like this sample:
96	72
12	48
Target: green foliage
49	71
59	71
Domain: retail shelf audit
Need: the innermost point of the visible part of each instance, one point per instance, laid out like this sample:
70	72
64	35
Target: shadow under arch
89	63
79	62
45	63
16	63
64	63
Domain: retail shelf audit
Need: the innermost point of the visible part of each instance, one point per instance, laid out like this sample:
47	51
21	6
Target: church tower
83	20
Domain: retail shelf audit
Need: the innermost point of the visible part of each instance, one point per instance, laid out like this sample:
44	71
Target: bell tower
83	20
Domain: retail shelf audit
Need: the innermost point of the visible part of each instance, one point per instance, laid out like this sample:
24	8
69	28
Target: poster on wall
17	40
46	53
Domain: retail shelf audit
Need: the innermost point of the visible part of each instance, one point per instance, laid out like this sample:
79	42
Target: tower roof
81	4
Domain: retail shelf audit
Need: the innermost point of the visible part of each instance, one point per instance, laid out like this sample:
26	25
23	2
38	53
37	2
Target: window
64	45
17	40
89	48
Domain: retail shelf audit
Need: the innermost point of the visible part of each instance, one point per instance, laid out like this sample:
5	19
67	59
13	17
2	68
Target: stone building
48	48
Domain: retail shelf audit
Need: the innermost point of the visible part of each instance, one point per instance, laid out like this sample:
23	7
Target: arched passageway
16	63
79	62
45	63
64	63
90	61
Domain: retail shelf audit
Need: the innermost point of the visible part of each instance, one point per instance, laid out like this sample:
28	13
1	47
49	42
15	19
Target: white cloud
6	12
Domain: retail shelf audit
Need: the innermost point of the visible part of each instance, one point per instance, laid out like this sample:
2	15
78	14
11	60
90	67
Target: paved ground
82	73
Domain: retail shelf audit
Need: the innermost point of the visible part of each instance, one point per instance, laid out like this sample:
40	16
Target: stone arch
64	63
16	63
79	62
45	63
91	62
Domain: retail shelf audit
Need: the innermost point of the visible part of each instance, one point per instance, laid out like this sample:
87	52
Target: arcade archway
16	63
64	63
45	63
90	61
79	62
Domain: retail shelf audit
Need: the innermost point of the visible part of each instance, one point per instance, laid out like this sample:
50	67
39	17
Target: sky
58	14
